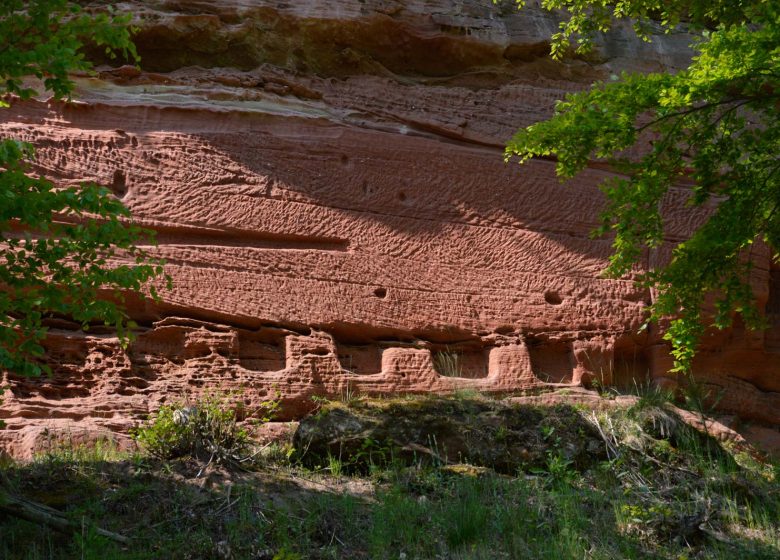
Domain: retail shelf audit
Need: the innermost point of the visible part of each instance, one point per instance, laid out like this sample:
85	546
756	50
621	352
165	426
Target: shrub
207	430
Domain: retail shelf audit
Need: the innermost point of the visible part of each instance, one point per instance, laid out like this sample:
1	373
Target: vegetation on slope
660	490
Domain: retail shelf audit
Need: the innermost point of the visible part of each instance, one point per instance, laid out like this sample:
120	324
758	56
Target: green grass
632	506
447	363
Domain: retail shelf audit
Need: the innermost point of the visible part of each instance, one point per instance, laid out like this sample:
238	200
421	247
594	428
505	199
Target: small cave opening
360	359
467	363
119	183
552	298
262	350
630	368
552	362
381	293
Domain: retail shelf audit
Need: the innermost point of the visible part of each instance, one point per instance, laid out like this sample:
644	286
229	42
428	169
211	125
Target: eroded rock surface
327	186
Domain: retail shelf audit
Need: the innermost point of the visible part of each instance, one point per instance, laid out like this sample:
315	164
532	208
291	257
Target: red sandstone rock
328	190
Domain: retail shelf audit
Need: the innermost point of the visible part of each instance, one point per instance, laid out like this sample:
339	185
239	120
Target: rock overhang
343	226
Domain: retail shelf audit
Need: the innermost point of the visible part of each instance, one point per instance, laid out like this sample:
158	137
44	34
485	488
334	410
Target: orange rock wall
327	185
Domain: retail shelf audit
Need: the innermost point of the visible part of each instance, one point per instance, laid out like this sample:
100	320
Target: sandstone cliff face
327	186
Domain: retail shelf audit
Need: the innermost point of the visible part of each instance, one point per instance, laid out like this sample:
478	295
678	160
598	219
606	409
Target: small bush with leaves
208	430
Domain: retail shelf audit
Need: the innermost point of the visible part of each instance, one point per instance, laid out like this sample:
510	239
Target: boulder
508	438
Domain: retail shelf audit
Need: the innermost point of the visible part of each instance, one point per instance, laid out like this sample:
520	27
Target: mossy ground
664	491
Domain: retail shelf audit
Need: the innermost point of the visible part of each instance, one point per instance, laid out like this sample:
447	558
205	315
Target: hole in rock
198	347
60	323
178	343
551	362
630	369
401	196
361	334
381	293
262	350
65	351
552	298
132	387
362	360
119	183
57	391
471	363
526	52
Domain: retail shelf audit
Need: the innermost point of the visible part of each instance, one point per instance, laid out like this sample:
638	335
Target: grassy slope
656	497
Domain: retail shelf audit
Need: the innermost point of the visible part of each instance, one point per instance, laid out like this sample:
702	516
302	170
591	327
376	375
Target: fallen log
45	515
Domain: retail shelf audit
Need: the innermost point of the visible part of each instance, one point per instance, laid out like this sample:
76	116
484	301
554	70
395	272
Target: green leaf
54	268
715	123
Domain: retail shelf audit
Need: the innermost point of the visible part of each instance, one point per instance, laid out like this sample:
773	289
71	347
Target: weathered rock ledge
327	186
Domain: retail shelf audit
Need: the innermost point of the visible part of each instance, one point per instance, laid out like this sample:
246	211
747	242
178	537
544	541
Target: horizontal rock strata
327	186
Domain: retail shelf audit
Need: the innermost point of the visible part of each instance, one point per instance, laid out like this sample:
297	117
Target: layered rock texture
327	185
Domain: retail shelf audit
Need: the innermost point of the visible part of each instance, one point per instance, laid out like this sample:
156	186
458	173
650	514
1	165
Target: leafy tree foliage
60	248
714	126
44	38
